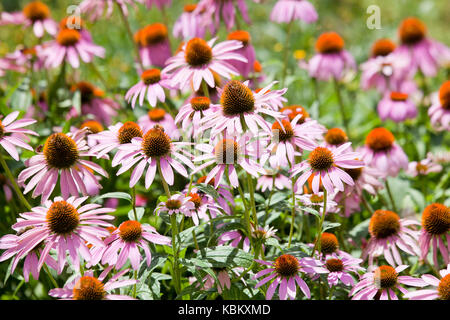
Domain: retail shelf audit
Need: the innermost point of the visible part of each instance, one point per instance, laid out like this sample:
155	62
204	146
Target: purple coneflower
70	46
62	156
326	166
242	106
88	287
35	14
198	59
191	114
158	116
435	229
124	243
380	283
94	9
439	111
179	204
340	267
64	226
154	45
332	60
154	149
153	83
191	24
160	4
290	10
396	106
223	11
12	134
273	179
419	50
423	167
227	154
383	153
285	270
247	51
388	232
440	290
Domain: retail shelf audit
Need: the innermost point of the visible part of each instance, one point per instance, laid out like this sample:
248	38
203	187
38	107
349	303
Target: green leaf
225	257
139	212
208	189
330	225
113	195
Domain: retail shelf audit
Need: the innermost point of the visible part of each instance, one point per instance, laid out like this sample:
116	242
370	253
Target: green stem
252	199
388	189
55	284
133	202
268	200
341	106
130	34
14	183
205	89
319	235
291	231
286	52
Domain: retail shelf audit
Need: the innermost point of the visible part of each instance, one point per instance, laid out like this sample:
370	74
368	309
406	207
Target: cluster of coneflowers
233	138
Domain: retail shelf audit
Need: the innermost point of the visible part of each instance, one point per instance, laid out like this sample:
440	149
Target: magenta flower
435	230
124	243
396	106
88	287
383	153
332	60
285	270
420	51
240	105
62	156
224	281
439	111
64	226
153	149
198	59
70	46
233	238
203	204
12	134
388	232
225	198
290	10
228	152
380	283
153	83
35	14
440	290
326	166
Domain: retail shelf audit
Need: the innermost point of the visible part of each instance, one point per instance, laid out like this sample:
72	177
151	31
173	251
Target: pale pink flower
153	83
247	51
383	153
380	284
396	106
331	60
123	244
340	267
273	179
326	166
198	59
153	149
289	10
62	157
88	287
191	114
35	14
191	24
64	226
70	46
423	167
94	9
179	204
158	116
388	234
285	271
435	231
440	287
12	134
439	111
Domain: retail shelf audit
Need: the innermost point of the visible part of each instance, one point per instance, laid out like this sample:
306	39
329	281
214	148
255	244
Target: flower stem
205	89
14	183
341	105
319	234
130	34
388	189
286	52
291	231
55	284
133	202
